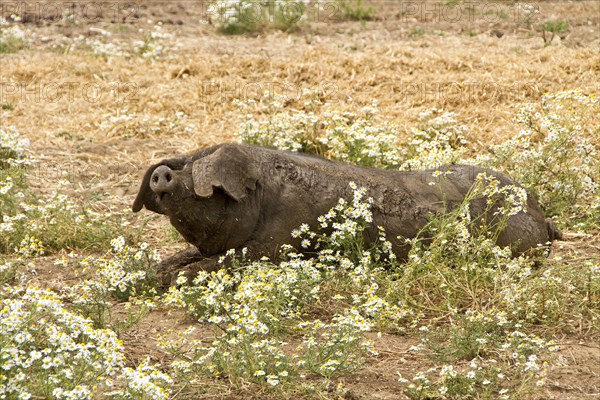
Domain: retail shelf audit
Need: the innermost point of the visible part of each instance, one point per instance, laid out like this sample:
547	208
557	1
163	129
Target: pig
235	196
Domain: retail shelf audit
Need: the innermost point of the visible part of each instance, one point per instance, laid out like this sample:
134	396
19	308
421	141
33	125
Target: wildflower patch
47	351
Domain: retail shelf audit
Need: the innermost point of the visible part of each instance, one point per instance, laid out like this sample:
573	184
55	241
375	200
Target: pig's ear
231	168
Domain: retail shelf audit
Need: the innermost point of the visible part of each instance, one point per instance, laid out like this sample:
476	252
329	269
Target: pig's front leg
191	261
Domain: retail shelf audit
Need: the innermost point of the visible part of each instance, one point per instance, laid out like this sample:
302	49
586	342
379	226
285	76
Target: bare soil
483	65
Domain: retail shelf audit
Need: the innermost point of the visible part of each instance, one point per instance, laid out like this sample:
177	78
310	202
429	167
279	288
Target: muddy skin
233	196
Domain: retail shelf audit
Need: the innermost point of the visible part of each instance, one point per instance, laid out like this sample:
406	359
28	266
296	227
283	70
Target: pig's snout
163	180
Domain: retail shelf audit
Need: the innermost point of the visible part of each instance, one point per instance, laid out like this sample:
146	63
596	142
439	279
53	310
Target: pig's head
210	199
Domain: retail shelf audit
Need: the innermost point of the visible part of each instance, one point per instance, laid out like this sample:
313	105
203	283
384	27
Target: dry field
98	120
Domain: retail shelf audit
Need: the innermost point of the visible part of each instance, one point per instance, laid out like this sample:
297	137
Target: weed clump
33	224
359	138
555	156
125	273
12	38
47	351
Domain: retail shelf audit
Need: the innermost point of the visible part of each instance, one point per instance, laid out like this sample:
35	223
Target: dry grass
405	81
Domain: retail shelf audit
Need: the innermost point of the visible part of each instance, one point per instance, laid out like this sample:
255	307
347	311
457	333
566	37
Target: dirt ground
482	60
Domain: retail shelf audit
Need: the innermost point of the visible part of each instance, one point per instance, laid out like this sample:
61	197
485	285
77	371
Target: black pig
233	196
